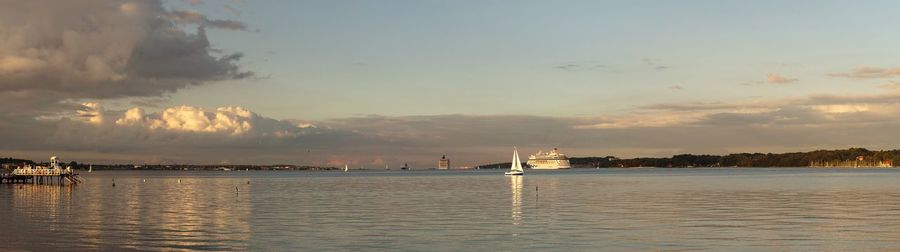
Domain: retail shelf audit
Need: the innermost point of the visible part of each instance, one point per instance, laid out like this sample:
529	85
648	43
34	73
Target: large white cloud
186	119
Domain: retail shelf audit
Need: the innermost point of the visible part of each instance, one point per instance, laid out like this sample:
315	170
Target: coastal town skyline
393	82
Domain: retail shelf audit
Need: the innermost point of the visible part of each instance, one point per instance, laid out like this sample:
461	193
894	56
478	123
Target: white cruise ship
549	160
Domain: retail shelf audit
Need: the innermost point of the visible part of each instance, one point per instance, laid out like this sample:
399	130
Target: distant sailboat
90	167
516	167
346	168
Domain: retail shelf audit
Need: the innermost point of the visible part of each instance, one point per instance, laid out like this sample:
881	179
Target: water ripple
578	210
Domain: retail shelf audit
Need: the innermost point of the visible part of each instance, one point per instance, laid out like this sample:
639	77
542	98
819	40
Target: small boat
346	168
515	168
405	166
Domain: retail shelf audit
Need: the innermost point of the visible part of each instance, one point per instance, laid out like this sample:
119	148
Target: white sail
516	167
517	164
346	168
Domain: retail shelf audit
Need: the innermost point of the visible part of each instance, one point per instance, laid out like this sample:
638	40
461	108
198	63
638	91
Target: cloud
191	17
809	110
779	79
51	55
91	112
182	132
198	135
151	102
891	85
583	67
232	10
705	106
654	63
231	120
869	73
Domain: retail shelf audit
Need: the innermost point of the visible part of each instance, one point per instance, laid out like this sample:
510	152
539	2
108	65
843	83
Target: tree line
792	159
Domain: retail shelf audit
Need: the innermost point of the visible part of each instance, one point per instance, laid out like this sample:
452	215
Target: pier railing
41	172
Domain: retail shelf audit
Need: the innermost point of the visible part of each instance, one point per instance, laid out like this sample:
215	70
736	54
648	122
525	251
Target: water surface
574	210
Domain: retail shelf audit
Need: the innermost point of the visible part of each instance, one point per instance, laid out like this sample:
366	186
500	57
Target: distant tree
791	159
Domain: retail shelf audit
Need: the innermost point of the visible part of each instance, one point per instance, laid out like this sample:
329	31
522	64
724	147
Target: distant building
444	163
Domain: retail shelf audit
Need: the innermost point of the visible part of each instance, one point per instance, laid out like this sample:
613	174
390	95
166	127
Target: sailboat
346	169
516	167
90	167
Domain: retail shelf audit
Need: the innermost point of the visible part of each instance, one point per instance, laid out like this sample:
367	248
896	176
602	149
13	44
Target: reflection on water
158	214
51	199
515	183
612	209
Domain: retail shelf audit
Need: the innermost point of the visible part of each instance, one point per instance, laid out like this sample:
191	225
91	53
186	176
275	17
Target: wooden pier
41	175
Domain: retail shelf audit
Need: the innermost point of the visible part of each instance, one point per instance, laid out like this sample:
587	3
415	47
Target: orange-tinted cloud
869	72
779	79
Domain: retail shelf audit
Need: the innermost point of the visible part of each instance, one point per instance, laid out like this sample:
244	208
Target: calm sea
576	210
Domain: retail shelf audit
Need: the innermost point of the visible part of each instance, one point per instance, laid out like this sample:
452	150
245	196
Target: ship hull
551	168
545	164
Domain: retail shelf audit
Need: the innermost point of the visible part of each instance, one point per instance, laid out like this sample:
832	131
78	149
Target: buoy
144	180
248	182
179	181
114	184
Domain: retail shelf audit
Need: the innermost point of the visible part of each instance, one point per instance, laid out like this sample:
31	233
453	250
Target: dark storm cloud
98	49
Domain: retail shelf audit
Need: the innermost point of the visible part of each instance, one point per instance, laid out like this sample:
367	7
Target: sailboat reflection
515	183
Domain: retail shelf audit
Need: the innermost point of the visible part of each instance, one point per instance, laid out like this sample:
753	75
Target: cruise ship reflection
515	183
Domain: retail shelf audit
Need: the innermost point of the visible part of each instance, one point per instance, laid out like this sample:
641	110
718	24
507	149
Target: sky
375	83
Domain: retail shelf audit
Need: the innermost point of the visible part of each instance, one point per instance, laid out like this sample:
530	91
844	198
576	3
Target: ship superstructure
549	160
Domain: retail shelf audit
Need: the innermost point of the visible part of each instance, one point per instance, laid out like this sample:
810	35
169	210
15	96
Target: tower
444	163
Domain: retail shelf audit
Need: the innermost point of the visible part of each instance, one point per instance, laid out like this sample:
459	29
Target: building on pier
36	174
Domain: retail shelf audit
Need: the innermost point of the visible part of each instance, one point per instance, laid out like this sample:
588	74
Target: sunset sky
371	83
